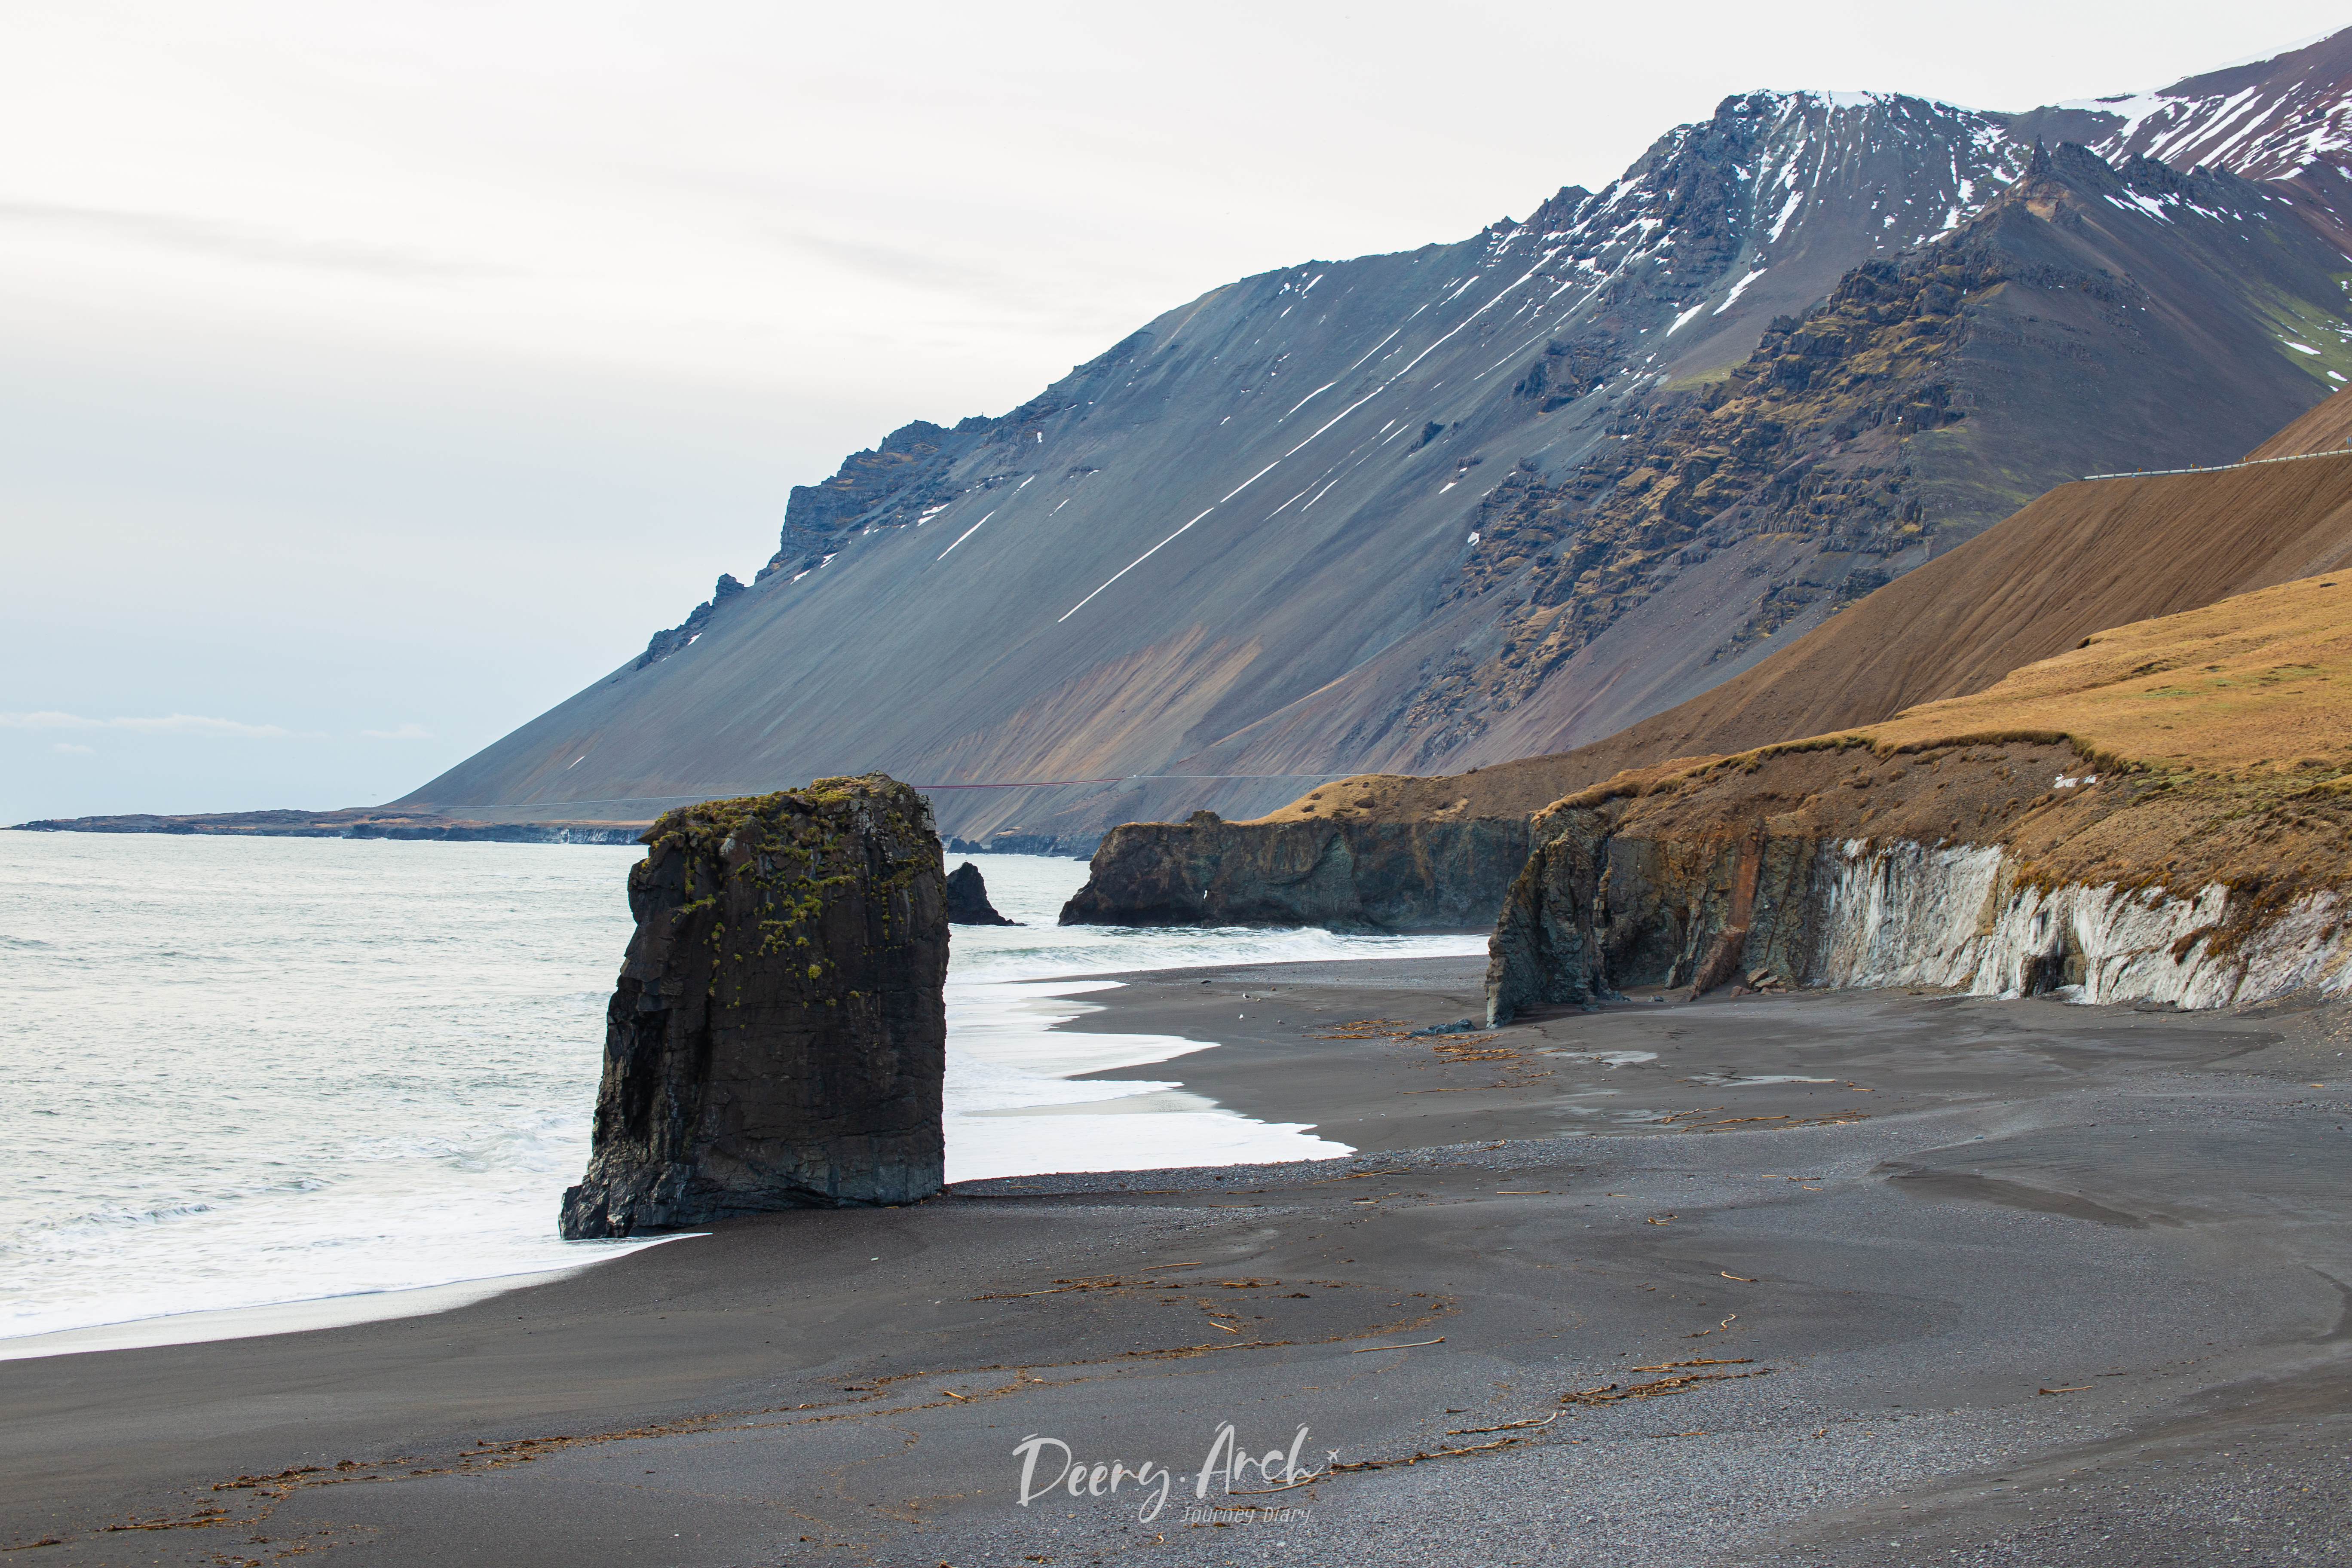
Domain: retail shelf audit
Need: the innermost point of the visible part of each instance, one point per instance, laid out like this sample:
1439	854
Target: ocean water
235	1074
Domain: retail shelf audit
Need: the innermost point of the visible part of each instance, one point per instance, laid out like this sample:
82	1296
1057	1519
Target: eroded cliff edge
2162	814
778	1037
1785	868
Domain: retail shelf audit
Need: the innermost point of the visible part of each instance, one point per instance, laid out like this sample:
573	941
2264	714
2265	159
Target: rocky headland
1348	874
778	1035
354	822
2160	814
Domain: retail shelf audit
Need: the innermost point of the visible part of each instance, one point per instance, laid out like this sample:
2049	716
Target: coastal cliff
778	1035
1385	875
2096	822
1690	878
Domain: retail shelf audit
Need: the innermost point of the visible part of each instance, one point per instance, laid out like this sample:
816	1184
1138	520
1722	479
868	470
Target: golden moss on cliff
790	809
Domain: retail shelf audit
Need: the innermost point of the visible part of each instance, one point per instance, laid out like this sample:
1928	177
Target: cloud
930	269
177	724
973	283
237	242
406	733
70	746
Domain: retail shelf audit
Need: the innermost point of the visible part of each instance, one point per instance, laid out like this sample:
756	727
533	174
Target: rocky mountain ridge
1843	433
2284	118
1218	559
1496	498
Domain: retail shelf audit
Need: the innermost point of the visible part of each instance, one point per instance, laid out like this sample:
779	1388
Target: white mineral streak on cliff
1904	914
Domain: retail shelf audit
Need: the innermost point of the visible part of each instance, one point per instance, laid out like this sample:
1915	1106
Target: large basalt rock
778	1037
1391	876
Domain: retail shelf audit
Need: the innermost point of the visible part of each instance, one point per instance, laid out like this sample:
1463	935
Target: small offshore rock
968	902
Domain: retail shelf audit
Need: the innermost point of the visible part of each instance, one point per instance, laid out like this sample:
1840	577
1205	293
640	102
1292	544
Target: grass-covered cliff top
2261	683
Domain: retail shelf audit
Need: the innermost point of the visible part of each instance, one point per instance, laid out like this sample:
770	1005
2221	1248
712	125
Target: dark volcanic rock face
968	902
1394	876
665	643
779	1034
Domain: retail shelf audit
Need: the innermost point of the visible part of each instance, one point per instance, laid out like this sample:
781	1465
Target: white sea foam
240	1073
1015	1103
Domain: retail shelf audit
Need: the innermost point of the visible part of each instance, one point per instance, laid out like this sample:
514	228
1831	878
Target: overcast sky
378	375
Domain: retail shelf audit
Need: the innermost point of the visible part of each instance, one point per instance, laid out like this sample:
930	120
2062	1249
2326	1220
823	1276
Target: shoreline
1857	1315
299	1316
479	1014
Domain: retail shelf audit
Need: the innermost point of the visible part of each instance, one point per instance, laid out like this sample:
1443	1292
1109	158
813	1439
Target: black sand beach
1974	1280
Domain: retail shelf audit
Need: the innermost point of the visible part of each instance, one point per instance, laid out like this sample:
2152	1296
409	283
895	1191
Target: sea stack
779	1033
968	902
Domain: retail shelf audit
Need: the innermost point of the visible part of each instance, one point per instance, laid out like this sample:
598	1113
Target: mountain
1502	496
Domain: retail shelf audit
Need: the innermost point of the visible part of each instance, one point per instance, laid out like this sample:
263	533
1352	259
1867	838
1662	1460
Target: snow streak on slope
2269	120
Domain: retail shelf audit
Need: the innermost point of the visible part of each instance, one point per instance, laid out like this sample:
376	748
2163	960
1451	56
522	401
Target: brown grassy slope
2240	713
2082	558
1519	788
2214	746
2261	680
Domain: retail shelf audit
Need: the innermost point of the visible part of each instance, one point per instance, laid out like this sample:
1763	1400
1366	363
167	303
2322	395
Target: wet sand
1868	1282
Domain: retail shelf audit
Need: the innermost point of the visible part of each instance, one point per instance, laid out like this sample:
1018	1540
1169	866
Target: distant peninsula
353	822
